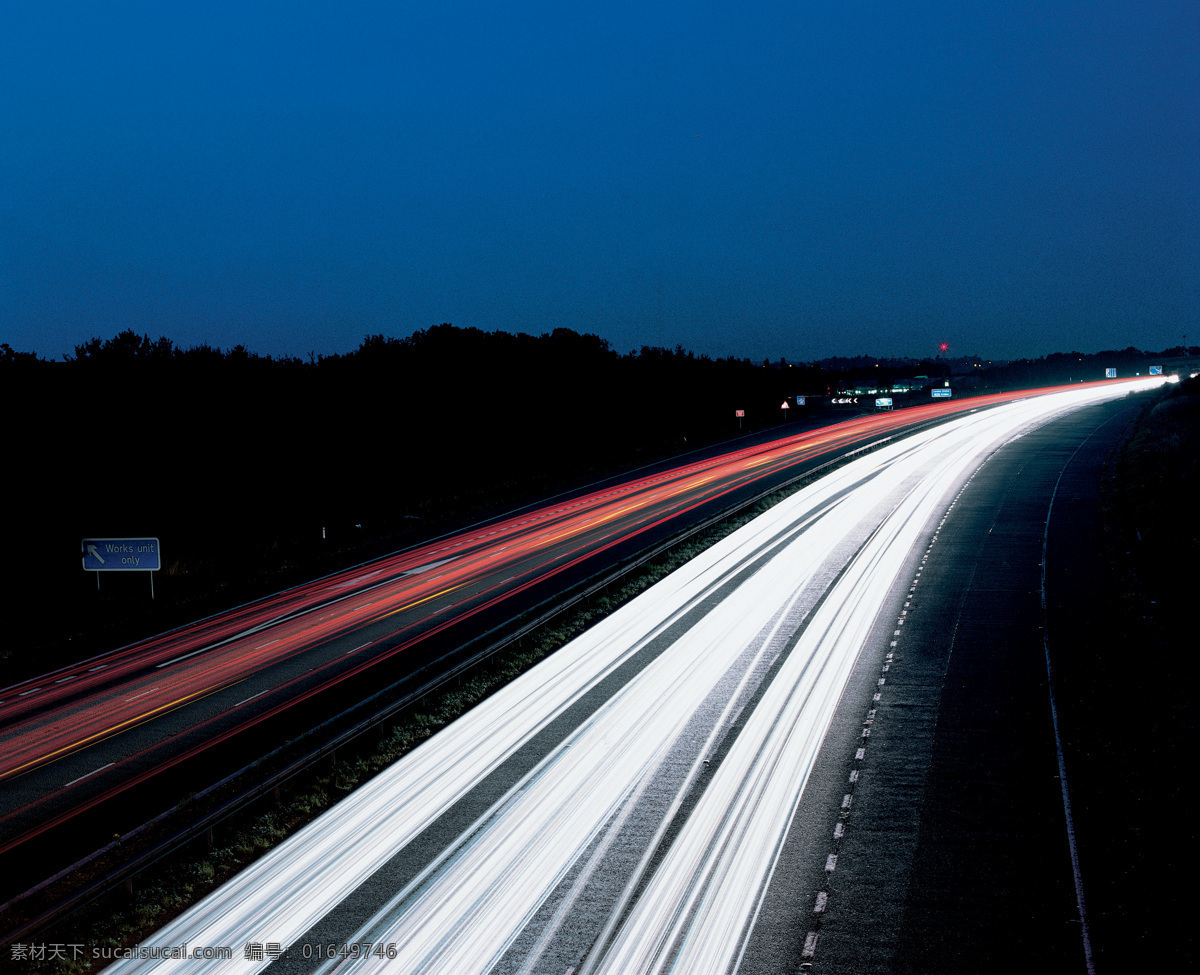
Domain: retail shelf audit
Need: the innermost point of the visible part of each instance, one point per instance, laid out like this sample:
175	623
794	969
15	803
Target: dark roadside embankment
1122	645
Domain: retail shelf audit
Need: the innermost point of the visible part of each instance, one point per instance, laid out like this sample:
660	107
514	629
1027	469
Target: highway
621	807
78	737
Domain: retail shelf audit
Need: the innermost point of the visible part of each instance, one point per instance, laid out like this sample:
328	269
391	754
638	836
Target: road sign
883	401
1110	373
739	413
799	400
785	406
941	392
121	554
1156	370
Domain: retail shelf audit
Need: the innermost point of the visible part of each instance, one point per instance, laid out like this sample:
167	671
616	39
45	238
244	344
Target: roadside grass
1126	700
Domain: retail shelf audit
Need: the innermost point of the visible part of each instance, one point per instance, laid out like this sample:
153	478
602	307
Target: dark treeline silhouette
248	466
244	464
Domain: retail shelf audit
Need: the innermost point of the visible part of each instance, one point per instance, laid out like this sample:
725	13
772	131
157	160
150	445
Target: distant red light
944	346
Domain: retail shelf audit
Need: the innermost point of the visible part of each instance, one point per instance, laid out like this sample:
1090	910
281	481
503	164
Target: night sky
798	179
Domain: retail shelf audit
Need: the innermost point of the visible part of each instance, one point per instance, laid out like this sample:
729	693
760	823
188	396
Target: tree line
236	459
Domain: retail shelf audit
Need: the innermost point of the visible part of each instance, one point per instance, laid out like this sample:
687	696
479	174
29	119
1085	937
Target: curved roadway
76	737
621	806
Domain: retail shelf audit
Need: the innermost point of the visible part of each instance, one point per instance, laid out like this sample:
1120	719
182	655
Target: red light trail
400	600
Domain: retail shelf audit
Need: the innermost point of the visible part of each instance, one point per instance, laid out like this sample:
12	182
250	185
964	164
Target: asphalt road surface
81	736
823	742
954	854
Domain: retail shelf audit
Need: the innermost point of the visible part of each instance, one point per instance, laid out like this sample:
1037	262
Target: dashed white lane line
810	945
251	697
839	829
89	774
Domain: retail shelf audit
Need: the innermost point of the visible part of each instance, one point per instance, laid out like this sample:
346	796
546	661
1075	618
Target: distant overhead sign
941	392
1110	373
883	401
121	554
1156	370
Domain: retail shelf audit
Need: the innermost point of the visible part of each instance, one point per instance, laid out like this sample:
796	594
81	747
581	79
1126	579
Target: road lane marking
432	565
89	774
116	729
810	945
419	601
176	660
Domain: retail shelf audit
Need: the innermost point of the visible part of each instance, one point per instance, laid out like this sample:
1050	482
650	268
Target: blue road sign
941	392
799	400
121	554
883	401
1156	370
1110	373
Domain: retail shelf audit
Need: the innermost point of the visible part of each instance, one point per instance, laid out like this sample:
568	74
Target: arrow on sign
95	553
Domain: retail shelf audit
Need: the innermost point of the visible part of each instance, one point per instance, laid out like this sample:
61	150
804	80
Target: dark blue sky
776	178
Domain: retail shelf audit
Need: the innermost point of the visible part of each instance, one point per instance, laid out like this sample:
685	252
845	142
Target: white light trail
853	530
